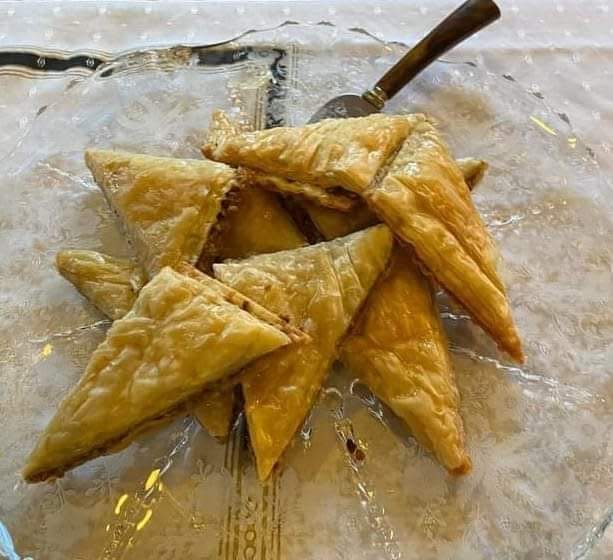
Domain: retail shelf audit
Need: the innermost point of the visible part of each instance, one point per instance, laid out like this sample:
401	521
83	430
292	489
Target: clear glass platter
540	436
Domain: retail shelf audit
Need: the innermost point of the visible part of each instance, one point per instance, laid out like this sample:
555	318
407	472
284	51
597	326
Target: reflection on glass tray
539	435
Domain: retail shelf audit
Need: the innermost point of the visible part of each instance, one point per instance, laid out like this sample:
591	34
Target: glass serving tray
540	436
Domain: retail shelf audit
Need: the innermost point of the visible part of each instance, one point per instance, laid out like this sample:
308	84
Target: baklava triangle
319	288
182	334
167	206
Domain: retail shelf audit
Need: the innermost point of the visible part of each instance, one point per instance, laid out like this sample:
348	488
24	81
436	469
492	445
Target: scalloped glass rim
185	54
532	430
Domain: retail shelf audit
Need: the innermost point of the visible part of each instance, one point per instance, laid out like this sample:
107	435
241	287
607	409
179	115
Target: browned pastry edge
229	205
473	180
380	176
239	300
519	356
298	213
333	198
113	445
466	466
227	384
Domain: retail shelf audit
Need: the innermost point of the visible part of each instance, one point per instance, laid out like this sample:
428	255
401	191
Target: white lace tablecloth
560	50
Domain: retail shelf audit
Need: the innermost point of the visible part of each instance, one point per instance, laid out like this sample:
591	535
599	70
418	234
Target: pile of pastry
257	268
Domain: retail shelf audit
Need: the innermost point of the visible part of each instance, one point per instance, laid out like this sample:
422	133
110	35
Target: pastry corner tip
90	155
97	156
515	351
519	356
93	158
31	475
26	475
264	469
464	468
206	150
60	259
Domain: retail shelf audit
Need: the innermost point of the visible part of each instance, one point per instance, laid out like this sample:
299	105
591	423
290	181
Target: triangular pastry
110	284
424	200
332	153
403	169
320	287
167	206
399	350
221	129
180	335
398	346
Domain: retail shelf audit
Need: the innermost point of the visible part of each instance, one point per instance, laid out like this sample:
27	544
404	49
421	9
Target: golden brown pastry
399	350
167	206
258	224
214	410
424	200
181	335
335	199
332	153
240	300
221	128
398	347
110	284
331	223
403	169
473	170
113	284
320	288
